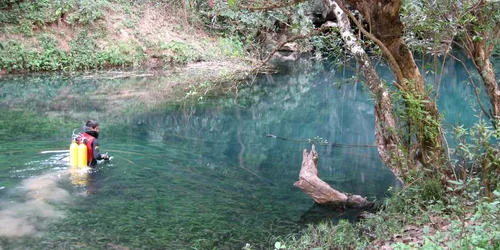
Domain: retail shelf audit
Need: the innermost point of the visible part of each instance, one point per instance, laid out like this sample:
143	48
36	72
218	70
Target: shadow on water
200	174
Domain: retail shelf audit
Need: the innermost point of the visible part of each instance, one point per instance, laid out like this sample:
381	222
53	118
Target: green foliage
252	27
417	198
25	28
84	54
86	12
327	235
433	25
231	47
44	53
31	14
449	222
426	30
329	48
40	13
431	190
477	156
420	127
89	44
223	18
422	124
180	52
13	55
470	227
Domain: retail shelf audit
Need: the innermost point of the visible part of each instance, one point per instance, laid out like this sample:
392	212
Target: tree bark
320	191
480	42
485	68
385	24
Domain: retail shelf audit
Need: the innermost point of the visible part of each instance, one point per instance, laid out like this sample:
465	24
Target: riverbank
158	38
413	218
121	40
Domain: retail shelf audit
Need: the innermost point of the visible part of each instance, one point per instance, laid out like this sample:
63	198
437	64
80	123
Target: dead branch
320	191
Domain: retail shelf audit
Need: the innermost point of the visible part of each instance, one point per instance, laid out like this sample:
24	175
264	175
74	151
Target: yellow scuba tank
82	154
73	154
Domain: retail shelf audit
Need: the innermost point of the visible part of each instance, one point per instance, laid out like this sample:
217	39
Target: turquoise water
199	174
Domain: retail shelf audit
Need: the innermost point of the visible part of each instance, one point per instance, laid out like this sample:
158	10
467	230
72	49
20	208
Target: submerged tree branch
320	191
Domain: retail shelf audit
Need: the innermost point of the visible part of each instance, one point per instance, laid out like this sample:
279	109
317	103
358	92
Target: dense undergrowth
408	220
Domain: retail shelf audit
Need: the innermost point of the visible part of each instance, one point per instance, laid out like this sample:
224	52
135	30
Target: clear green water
201	174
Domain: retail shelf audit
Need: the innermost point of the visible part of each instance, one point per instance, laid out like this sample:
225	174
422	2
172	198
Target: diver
89	135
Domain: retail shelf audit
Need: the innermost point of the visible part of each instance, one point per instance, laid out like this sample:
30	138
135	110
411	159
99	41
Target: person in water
89	137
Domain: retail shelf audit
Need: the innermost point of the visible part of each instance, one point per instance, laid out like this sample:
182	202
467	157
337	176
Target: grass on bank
74	35
408	220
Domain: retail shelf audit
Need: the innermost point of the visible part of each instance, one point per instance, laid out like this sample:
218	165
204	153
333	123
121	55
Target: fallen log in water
320	191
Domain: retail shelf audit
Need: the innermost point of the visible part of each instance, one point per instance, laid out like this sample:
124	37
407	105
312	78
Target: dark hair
91	124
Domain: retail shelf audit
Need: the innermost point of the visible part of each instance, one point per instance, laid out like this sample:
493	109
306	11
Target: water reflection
82	179
204	174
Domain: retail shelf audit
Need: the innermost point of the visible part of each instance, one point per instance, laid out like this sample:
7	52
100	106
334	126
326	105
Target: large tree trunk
424	121
485	68
388	141
320	191
480	40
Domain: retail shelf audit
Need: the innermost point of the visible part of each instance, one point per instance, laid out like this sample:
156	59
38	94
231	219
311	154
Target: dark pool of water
200	175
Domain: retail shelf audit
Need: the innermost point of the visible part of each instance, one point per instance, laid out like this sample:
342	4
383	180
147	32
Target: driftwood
320	191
